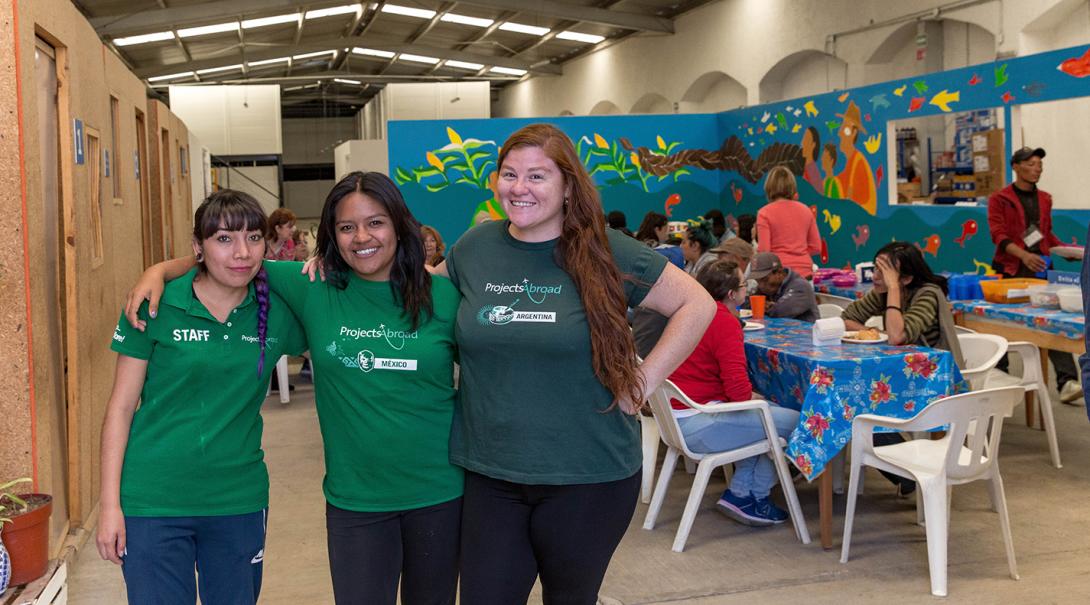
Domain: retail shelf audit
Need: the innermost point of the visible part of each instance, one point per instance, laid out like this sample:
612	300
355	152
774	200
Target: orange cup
757	305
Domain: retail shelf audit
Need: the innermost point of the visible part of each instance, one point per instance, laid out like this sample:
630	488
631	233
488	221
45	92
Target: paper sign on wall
981	164
106	157
136	165
78	136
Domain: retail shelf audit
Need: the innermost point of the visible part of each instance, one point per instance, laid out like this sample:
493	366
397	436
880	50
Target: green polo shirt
385	394
531	409
195	444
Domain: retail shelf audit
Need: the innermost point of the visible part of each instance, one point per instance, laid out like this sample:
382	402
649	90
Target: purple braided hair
261	289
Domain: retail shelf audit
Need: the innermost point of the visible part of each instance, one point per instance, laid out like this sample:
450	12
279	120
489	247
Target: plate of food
868	336
745	313
751	326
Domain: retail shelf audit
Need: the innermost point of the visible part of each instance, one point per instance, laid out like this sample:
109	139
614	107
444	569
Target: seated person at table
737	250
716	372
787	293
910	298
912	301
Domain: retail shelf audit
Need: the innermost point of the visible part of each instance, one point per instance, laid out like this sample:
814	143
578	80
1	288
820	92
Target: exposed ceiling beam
588	14
192	14
335	43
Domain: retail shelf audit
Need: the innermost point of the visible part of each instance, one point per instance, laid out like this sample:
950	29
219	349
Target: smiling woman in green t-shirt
381	336
545	425
184	482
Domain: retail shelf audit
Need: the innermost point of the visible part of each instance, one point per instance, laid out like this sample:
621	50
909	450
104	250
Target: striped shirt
920	314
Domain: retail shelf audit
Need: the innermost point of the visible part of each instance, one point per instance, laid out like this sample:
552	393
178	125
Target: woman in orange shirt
785	226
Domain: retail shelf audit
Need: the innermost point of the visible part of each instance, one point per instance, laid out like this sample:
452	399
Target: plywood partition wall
66	265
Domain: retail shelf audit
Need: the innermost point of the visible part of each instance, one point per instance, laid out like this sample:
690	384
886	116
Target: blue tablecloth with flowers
1054	321
853	292
829	385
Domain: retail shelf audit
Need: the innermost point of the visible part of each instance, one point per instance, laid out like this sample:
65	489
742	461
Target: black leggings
512	532
369	552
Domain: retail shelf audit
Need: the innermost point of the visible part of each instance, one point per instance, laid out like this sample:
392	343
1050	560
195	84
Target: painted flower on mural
600	141
821	379
880	391
804	464
919	364
816	424
461	161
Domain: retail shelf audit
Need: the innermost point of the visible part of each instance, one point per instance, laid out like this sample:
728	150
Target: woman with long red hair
545	426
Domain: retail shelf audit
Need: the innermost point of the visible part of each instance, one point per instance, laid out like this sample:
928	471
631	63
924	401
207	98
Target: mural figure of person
857	179
831	187
811	146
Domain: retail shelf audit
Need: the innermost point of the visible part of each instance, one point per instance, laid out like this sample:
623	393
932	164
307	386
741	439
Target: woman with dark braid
184	484
545	426
381	334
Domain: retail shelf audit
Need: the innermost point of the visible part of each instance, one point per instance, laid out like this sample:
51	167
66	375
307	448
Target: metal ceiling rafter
587	14
197	14
335	43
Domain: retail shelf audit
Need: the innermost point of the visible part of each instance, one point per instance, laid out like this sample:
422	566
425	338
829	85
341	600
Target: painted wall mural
683	165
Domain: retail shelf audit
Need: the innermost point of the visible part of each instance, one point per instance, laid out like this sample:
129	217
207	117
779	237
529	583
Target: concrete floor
727	563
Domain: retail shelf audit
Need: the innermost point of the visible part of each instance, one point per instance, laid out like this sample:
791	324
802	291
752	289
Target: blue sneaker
765	509
741	509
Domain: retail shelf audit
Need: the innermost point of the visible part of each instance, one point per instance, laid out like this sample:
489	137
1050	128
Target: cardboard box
988	141
908	190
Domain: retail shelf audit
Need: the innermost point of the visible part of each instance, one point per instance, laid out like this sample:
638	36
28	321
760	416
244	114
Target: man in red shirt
1020	221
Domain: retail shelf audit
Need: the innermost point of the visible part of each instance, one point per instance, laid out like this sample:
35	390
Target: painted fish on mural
1078	67
1034	89
824	252
673	200
915	103
737	193
843	97
1007	97
862	234
978	266
968	230
973	81
878	174
833	220
931	245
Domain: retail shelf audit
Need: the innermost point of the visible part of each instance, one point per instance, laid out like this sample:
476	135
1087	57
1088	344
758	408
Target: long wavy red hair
584	253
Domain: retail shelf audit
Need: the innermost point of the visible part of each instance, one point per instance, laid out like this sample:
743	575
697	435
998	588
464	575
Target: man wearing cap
735	249
1020	221
788	293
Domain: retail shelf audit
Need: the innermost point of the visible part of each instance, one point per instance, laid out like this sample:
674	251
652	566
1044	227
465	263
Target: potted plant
24	534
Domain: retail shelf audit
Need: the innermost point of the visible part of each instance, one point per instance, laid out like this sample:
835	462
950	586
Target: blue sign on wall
78	139
106	157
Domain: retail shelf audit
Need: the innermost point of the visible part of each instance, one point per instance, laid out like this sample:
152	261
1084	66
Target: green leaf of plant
436	187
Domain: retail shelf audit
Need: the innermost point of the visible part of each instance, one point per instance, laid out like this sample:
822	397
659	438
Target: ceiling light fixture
212	70
465	20
385	54
419	13
267	62
204	30
343	81
578	37
184	74
509	71
521	28
143	38
419	59
275	20
312	55
333	10
463	65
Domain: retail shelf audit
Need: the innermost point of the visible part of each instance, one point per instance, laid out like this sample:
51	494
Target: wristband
897	309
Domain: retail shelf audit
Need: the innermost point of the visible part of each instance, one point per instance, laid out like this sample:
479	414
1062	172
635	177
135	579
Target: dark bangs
229	210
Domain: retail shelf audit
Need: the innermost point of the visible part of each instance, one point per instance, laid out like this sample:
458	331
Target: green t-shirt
385	396
195	443
531	408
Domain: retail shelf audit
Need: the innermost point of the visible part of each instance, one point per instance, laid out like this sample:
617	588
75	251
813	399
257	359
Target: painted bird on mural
931	245
1078	67
920	86
900	90
781	120
915	103
811	110
988	270
973	81
862	234
1007	97
879	101
968	230
878	174
833	220
672	201
1001	76
945	98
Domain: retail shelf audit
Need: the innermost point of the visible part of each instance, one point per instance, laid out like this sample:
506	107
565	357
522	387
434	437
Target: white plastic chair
772	446
962	456
830	310
833	299
981	352
281	380
649	431
1031	380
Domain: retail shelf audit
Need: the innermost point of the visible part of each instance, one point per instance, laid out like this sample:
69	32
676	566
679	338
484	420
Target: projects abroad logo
531	290
367	362
395	338
499	315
